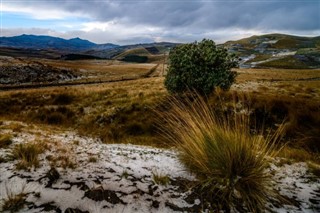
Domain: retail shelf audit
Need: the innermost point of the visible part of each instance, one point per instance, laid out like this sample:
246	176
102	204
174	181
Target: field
15	72
81	125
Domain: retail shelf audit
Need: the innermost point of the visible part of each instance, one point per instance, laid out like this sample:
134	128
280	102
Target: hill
76	48
49	42
277	50
149	52
265	51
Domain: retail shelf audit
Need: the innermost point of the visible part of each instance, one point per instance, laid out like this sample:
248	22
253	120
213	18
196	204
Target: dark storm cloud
187	20
246	14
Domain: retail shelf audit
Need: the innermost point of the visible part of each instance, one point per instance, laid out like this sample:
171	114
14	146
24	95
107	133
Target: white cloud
132	21
40	13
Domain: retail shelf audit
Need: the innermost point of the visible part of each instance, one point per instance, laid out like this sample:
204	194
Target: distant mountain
151	50
277	50
271	50
106	46
74	49
49	42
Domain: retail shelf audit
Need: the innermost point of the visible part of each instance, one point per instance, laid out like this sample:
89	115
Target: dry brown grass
121	111
275	74
27	155
13	202
101	70
63	157
230	163
5	140
299	155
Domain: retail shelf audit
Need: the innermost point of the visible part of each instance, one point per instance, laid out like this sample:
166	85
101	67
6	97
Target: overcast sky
139	21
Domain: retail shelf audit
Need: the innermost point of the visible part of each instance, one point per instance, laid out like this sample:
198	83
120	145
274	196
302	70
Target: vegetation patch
288	62
5	140
27	155
160	179
92	159
135	58
13	203
200	67
229	162
14	200
63	99
54	115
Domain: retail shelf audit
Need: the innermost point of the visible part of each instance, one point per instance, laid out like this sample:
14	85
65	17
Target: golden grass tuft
13	202
298	155
27	154
160	179
5	140
230	163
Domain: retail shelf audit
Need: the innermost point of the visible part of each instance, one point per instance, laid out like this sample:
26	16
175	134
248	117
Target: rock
70	210
53	175
99	194
155	204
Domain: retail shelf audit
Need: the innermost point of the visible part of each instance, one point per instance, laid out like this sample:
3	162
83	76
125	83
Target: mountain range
271	50
49	42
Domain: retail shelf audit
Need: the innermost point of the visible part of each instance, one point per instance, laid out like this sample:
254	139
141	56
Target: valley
82	134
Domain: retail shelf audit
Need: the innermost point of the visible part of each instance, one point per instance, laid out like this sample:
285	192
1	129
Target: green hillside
277	50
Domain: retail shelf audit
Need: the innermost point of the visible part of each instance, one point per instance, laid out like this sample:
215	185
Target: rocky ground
19	71
81	174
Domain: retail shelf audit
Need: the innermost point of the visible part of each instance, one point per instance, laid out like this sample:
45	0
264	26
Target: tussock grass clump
160	179
92	159
230	163
13	202
5	140
27	154
63	99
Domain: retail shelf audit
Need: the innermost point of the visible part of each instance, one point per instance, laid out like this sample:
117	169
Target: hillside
277	50
265	51
149	52
49	42
76	48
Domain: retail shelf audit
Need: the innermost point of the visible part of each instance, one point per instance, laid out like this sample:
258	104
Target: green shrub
201	67
230	164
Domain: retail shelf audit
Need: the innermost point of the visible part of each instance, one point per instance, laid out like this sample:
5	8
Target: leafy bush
201	67
230	163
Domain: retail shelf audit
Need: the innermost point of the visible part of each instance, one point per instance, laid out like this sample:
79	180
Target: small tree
200	66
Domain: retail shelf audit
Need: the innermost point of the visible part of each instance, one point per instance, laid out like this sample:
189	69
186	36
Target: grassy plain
102	70
123	112
129	111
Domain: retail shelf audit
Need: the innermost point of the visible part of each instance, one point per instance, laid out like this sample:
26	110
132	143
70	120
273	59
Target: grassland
102	70
62	72
123	112
128	112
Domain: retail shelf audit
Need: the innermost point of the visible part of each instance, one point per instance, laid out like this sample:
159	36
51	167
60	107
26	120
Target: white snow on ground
122	178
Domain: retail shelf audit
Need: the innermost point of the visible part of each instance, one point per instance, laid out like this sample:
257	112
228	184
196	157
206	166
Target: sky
144	21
